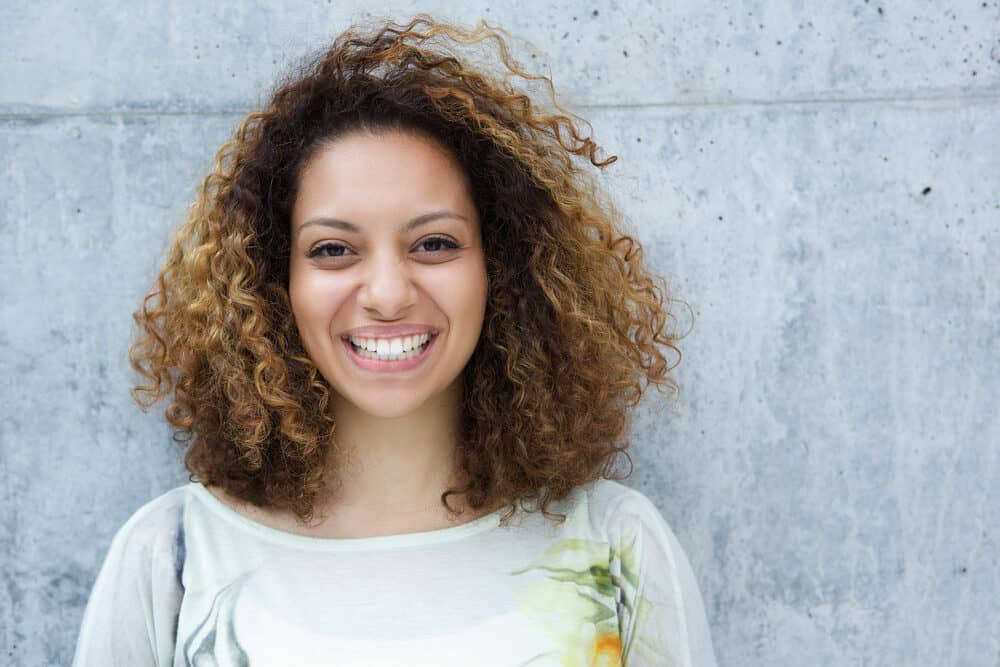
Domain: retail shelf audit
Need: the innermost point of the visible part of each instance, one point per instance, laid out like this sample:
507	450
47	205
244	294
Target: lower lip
386	366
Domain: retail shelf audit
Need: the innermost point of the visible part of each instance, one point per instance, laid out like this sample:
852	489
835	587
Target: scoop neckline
380	542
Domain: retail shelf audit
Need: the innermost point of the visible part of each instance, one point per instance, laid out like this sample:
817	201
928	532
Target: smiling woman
401	332
377	271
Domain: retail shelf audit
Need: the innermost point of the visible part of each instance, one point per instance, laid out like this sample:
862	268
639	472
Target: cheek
315	297
464	296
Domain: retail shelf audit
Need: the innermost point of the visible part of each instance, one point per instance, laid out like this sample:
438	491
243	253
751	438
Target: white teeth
391	348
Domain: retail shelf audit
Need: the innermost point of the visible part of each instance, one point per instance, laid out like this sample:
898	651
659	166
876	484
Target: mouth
401	361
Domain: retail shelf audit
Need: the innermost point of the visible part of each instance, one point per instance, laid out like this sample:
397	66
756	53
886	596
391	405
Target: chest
508	605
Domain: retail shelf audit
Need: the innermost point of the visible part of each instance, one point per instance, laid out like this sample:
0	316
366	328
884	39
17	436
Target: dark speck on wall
926	191
594	13
625	53
880	12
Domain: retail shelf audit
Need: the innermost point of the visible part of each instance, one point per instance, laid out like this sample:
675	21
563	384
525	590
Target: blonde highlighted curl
576	327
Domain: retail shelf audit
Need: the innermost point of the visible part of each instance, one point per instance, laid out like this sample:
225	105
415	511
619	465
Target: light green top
189	581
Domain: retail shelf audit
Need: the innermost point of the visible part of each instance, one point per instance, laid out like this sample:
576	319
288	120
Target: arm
663	620
131	616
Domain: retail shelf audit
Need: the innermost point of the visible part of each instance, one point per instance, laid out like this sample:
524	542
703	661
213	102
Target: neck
394	466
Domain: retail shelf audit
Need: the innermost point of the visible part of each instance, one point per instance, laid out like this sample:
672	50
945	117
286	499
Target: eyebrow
337	223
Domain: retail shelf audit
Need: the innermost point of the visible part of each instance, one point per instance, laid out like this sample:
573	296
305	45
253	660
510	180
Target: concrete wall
819	181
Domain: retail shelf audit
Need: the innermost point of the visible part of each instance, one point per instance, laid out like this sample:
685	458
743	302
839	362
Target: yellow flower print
572	597
607	650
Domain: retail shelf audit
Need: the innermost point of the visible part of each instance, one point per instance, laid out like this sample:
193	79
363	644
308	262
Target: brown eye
327	250
438	244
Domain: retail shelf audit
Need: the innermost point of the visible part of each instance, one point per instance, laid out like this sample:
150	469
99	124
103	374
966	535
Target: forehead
377	176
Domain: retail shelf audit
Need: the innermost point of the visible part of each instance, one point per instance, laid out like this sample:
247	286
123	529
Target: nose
388	290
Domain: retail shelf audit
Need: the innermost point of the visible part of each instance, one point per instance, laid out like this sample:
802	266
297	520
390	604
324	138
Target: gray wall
821	185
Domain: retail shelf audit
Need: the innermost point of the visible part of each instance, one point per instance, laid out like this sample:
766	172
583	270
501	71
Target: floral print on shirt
585	598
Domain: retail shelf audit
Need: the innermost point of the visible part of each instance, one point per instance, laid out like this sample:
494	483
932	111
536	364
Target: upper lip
389	331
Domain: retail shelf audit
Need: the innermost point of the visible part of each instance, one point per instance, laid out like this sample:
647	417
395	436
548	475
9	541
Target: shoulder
634	526
131	612
612	494
627	520
155	527
613	508
150	517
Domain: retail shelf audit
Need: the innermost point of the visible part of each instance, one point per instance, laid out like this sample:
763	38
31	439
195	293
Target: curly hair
574	321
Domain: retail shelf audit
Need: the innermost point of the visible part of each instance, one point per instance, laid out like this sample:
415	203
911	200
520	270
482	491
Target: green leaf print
647	642
575	601
629	559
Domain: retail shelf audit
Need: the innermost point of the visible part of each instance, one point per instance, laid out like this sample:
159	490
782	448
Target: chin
383	411
382	405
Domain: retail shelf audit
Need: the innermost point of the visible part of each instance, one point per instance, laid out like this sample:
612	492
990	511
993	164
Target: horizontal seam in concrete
111	113
975	99
806	102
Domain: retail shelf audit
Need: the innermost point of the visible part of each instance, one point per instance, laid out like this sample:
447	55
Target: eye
431	245
327	250
436	242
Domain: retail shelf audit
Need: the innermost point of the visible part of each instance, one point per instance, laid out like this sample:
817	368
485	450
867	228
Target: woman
401	332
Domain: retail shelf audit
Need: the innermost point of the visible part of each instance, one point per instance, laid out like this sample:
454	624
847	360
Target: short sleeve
661	612
131	615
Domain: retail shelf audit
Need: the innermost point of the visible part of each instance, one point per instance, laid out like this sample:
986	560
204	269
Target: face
386	246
